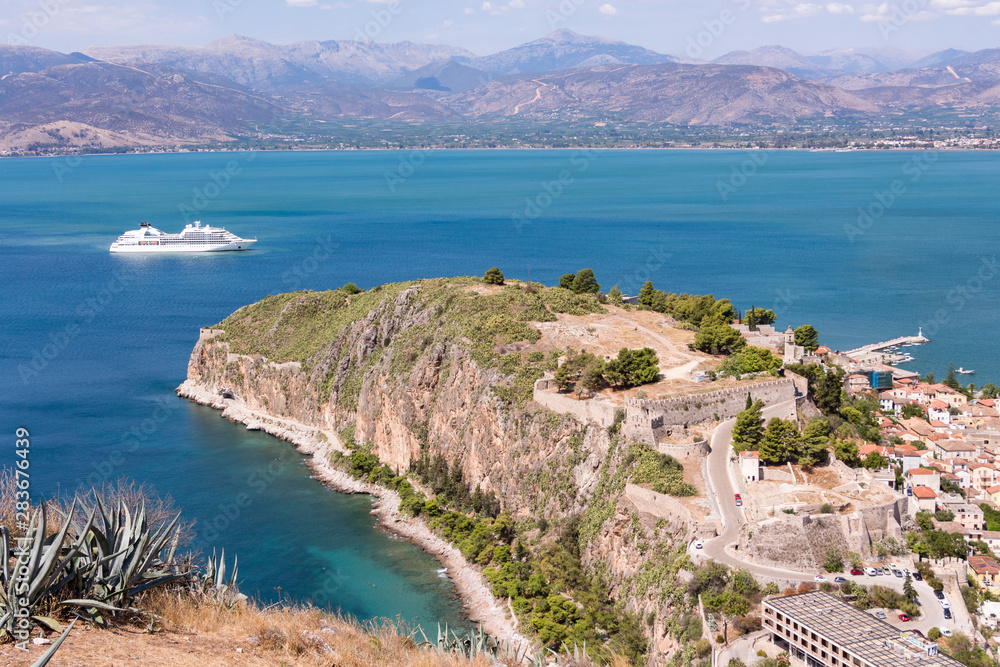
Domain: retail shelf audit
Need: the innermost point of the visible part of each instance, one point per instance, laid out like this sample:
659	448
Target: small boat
963	371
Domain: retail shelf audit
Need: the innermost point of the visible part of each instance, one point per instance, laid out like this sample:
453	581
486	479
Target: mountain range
154	94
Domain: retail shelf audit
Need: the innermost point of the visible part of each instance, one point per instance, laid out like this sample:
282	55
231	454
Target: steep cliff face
446	369
403	381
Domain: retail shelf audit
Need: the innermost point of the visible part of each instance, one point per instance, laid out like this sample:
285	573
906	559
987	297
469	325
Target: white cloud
468	11
891	13
487	6
516	4
607	9
801	10
449	23
839	8
302	3
989	9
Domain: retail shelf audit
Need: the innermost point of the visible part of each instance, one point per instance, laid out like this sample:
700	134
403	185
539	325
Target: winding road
721	491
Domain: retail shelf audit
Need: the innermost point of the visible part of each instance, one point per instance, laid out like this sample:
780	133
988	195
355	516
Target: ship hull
179	248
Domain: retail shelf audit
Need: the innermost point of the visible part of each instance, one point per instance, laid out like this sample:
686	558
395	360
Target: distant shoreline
479	603
505	148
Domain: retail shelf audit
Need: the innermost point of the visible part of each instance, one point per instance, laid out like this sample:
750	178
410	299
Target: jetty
882	351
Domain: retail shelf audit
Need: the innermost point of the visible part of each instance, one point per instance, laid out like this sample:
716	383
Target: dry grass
299	635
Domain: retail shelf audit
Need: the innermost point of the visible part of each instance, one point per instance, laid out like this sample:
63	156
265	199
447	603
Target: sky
688	28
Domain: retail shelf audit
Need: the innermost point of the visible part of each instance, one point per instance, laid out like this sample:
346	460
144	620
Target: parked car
938	594
944	603
870	571
880	614
904	617
856	571
819	577
739	501
916	576
898	572
947	614
917	632
945	632
698	544
839	580
909	490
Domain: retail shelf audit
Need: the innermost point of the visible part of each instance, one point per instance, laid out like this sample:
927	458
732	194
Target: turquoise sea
864	246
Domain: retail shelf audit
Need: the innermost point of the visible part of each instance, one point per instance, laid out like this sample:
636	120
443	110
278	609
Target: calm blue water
117	331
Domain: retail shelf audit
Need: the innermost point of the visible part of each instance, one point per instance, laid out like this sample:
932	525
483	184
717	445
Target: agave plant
214	584
43	569
97	563
124	556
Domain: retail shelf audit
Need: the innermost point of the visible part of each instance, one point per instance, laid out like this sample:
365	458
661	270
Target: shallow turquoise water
119	329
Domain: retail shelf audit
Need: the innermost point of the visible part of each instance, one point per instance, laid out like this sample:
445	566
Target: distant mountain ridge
155	94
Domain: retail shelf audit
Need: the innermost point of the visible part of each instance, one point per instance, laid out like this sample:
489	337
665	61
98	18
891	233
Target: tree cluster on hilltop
631	368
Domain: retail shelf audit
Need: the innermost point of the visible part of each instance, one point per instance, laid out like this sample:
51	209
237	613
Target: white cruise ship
193	238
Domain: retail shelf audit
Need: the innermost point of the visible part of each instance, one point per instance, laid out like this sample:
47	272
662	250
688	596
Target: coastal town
934	462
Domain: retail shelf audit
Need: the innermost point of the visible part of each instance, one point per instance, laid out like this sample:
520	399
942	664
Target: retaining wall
643	416
587	411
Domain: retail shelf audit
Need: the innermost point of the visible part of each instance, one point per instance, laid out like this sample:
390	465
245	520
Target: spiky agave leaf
45	657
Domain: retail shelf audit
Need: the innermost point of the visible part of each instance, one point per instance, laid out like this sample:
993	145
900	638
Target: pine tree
813	443
780	441
749	427
909	592
950	380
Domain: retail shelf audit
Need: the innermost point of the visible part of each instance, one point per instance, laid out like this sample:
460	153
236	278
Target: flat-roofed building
824	631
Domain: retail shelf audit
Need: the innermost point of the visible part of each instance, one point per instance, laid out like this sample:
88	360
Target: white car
945	605
945	632
871	571
698	544
819	577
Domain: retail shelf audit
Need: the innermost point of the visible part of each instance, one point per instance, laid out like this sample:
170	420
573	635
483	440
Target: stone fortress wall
643	417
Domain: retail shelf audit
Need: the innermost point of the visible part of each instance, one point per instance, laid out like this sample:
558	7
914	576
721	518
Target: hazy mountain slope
18	59
152	101
565	49
700	94
848	61
449	76
938	58
332	99
774	56
264	65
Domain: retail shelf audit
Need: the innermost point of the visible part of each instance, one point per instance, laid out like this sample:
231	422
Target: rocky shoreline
479	603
